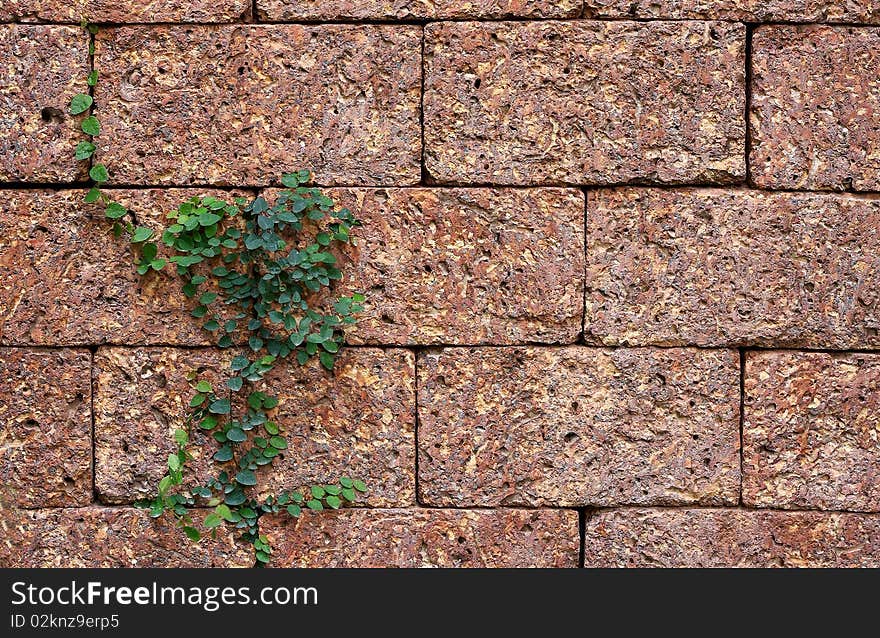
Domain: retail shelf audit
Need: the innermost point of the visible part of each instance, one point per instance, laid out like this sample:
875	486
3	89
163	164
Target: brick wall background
621	261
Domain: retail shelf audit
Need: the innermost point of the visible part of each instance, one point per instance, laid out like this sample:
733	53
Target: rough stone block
810	435
860	11
125	11
466	266
578	426
109	537
141	397
45	427
341	100
358	421
426	538
730	538
585	102
66	280
815	109
712	267
43	68
415	9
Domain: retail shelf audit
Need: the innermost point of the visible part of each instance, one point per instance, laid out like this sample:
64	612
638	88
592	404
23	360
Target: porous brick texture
620	260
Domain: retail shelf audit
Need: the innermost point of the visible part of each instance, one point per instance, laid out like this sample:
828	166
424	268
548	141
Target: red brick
810	435
44	67
730	538
110	537
358	420
45	427
425	538
578	426
141	397
712	267
585	102
466	266
815	109
125	11
740	10
342	100
66	280
415	9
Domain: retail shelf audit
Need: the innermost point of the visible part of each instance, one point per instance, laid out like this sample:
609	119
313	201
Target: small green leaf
223	454
92	78
360	486
236	435
203	386
235	497
197	400
192	533
334	502
115	211
93	195
246	477
346	482
234	383
181	437
173	462
263	557
207	297
349	495
91	126
84	150
223	512
332	489
326	360
318	491
164	484
220	406
212	521
278	443
315	505
80	103
141	234
294	510
99	173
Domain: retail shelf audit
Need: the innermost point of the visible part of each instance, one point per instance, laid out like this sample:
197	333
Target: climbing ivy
254	271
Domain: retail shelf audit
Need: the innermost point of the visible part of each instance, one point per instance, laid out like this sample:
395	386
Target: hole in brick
51	114
692	403
427	268
575	405
566	70
661	379
162	70
386	318
713	33
706	462
695	437
32	423
124	446
461	539
477	83
809	286
68	480
571	437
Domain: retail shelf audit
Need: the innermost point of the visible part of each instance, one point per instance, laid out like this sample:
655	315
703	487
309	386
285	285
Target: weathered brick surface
141	397
341	100
122	11
815	109
578	426
109	537
426	538
45	427
66	280
415	9
43	68
467	266
713	267
810	434
860	11
730	538
358	420
585	102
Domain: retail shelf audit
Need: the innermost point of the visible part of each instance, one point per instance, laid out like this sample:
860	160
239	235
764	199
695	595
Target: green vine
254	270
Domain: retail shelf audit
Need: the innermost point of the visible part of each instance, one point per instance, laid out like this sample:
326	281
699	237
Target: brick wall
621	260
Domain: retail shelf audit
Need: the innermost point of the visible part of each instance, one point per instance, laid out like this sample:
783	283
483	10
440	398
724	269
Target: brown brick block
741	10
358	420
578	426
415	9
141	397
342	100
120	11
66	280
810	434
711	267
815	110
109	537
45	427
730	538
43	68
585	102
425	538
467	266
